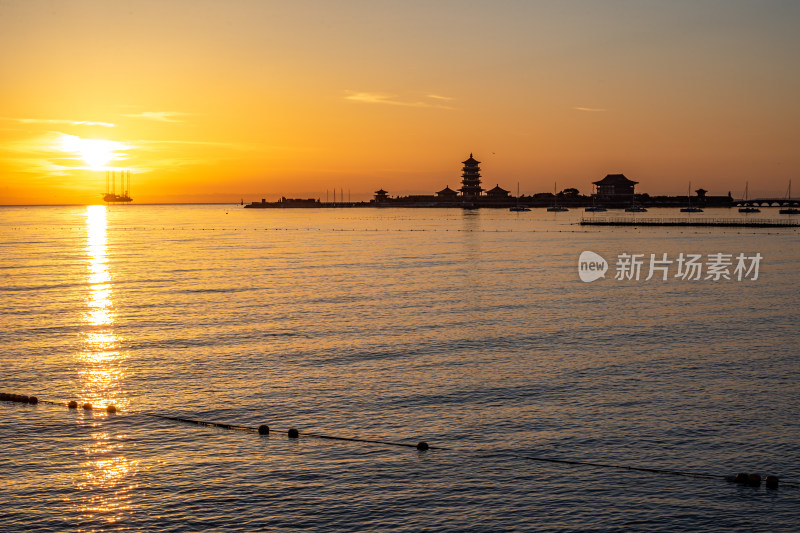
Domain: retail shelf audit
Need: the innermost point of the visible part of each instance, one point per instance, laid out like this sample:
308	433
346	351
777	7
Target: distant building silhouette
497	193
447	194
614	186
471	179
615	190
381	196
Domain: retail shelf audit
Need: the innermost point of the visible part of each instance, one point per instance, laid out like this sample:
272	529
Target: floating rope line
582	230
624	467
232	427
292	433
753	480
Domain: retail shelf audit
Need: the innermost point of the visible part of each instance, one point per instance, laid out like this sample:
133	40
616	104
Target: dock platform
689	221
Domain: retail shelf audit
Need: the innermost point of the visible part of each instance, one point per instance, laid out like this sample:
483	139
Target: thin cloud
439	97
590	109
160	116
233	146
57	121
395	100
374	98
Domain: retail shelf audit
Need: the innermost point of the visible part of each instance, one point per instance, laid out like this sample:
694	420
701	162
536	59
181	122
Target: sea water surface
468	329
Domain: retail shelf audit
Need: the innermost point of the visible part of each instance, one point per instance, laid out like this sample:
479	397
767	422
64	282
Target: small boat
748	209
518	207
690	208
635	208
595	208
789	210
556	208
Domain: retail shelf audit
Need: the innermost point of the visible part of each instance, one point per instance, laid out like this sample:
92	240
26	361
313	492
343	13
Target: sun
96	153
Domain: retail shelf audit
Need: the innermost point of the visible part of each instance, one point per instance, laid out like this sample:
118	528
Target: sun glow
97	153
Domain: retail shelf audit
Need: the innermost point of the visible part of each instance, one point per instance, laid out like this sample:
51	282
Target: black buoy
422	446
293	433
771	482
263	430
72	404
741	478
754	480
111	409
87	406
3	396
33	399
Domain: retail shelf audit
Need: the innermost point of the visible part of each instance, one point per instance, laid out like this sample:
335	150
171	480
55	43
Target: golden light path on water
100	361
106	473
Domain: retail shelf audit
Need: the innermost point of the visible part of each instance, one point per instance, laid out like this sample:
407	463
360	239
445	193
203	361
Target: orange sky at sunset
217	101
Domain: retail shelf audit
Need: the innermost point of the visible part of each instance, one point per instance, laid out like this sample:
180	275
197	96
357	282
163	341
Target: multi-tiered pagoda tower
471	179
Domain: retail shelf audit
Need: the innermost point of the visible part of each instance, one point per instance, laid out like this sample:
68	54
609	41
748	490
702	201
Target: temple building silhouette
615	186
447	195
615	191
381	195
497	193
470	194
471	179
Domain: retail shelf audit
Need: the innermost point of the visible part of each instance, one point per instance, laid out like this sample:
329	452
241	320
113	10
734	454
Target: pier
686	221
769	202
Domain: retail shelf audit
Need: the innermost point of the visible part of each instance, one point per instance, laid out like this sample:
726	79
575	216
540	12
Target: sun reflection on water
100	362
107	481
107	474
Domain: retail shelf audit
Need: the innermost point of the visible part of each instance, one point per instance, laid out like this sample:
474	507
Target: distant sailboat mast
789	210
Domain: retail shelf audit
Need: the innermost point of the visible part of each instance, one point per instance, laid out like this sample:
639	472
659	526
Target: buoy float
263	430
33	400
741	478
293	433
87	406
111	409
771	482
754	480
72	404
422	446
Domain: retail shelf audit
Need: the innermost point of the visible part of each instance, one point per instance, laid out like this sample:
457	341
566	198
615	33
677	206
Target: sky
219	101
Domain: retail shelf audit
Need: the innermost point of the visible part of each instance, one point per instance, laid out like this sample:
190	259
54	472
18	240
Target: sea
548	402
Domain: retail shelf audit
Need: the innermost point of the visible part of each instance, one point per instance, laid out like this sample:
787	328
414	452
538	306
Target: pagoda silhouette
471	179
